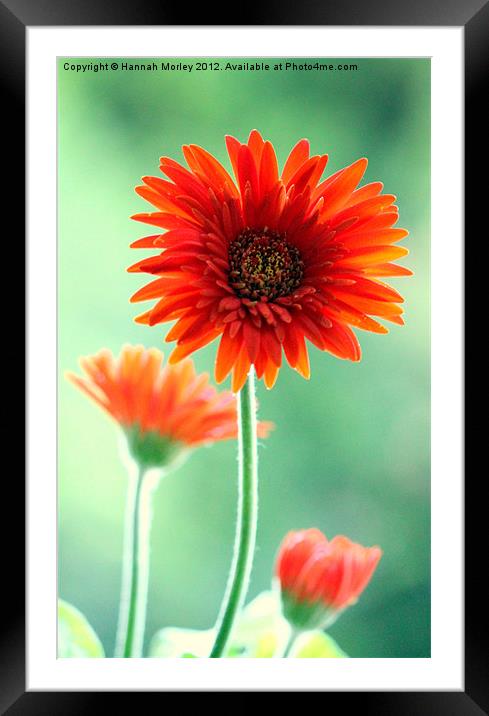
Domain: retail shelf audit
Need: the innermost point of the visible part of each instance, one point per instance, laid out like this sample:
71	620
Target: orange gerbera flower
319	578
162	411
268	260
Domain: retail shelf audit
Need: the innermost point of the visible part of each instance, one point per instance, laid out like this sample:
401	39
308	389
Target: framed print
246	240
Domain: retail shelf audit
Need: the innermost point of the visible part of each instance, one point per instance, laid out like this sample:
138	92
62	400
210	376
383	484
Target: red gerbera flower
268	260
319	578
162	411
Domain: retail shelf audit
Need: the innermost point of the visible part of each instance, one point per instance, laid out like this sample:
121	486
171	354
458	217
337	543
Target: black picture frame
473	15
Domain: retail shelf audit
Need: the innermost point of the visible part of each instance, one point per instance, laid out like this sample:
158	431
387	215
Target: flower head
162	410
319	578
268	260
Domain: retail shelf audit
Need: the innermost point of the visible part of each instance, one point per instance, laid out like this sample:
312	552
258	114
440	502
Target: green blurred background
350	453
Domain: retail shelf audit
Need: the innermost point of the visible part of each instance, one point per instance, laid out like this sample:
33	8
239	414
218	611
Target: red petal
268	168
256	143
247	171
251	336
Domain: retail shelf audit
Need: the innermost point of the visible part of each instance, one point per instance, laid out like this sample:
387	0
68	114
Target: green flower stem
244	546
290	643
135	566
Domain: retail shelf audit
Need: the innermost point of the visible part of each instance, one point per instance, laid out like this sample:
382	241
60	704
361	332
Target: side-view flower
164	412
320	578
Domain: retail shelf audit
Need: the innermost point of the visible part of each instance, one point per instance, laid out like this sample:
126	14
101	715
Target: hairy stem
244	546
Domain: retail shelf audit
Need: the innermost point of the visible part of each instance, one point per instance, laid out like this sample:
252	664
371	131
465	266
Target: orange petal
379	237
363	209
182	351
308	174
213	169
241	370
356	317
365	192
270	375
302	366
154	289
169	308
164	220
342	342
163	203
147	242
233	145
339	191
227	353
297	157
387	270
370	255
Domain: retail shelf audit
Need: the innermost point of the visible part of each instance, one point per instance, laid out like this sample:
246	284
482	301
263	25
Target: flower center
263	264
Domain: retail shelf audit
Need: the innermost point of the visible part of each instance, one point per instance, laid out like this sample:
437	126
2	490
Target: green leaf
261	630
175	642
76	638
316	645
